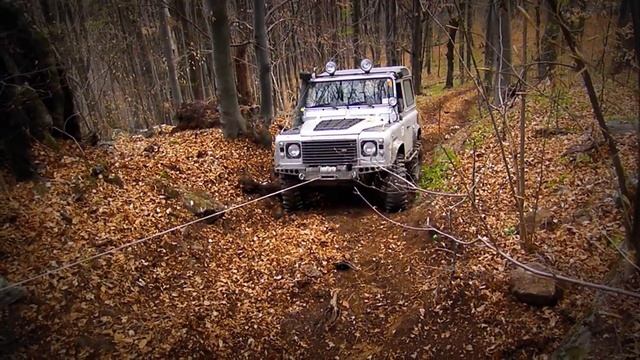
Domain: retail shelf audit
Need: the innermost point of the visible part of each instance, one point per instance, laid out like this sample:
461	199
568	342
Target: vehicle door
409	116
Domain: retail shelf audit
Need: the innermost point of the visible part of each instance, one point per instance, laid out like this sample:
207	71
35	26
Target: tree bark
548	45
504	68
524	237
623	43
264	62
168	46
490	45
242	75
538	24
468	31
463	33
416	48
233	124
194	64
635	230
428	33
355	39
390	27
451	45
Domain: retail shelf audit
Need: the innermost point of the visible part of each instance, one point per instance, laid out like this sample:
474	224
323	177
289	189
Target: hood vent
336	124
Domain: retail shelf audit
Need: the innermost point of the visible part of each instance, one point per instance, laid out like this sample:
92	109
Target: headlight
369	148
293	151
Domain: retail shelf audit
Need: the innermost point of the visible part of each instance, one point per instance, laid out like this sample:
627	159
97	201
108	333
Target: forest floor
262	284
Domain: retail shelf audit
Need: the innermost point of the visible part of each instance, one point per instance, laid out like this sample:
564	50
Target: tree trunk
390	27
538	24
524	237
548	52
233	124
451	44
355	39
242	75
264	62
504	68
490	45
468	31
168	47
623	42
463	33
428	32
635	230
194	64
35	100
416	48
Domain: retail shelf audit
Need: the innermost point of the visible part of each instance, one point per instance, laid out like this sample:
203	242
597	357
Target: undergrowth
434	174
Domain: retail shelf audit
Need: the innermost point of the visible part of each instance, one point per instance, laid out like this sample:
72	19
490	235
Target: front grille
329	152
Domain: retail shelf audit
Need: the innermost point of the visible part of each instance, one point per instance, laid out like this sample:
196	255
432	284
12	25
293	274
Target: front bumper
334	172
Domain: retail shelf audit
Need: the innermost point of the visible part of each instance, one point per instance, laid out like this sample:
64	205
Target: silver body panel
331	138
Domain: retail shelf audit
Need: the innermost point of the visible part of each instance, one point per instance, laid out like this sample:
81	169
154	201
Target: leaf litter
261	284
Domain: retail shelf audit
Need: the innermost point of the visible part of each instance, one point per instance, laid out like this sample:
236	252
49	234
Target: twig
624	255
72	138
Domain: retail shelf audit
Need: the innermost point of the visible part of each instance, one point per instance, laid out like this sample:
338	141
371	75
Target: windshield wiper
322	105
360	103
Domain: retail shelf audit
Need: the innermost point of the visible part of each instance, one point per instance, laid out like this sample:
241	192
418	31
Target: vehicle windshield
347	92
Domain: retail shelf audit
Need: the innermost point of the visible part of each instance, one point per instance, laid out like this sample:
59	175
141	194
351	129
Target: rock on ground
202	204
533	289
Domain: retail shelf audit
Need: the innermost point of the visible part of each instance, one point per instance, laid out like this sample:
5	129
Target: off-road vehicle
349	126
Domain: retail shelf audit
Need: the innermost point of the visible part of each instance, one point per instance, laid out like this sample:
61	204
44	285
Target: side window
407	88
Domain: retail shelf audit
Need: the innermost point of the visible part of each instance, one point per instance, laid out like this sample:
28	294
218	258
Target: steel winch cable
147	238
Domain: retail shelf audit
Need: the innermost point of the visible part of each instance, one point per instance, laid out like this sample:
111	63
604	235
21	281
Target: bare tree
264	62
233	124
391	33
524	237
168	45
635	229
504	70
490	44
355	38
548	45
416	47
454	22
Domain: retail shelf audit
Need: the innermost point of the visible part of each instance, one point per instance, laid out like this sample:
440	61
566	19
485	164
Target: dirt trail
253	282
393	304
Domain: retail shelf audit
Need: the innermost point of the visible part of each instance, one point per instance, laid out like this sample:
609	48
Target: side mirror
393	101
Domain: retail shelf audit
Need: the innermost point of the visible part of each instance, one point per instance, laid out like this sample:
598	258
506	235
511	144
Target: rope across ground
254	282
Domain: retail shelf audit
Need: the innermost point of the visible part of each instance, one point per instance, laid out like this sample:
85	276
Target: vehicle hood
341	123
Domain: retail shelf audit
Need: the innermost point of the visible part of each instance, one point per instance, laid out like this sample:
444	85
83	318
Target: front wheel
395	192
292	199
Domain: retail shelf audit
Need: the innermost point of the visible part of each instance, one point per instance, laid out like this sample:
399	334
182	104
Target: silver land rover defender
356	125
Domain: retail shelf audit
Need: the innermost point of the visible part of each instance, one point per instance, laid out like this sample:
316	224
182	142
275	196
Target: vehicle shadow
339	200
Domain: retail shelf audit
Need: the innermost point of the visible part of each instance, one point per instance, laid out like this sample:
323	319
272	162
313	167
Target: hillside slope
260	283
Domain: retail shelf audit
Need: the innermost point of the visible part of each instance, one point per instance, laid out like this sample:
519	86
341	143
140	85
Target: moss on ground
434	174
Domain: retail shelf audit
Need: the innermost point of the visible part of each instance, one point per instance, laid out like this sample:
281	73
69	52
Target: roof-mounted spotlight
330	68
366	65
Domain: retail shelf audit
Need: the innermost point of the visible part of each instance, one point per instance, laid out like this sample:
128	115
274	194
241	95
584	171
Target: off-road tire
415	165
395	196
293	199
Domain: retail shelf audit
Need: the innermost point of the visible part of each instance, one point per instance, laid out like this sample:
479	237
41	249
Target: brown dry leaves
256	284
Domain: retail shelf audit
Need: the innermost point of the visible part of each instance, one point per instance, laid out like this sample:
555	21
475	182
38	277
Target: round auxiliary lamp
331	68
